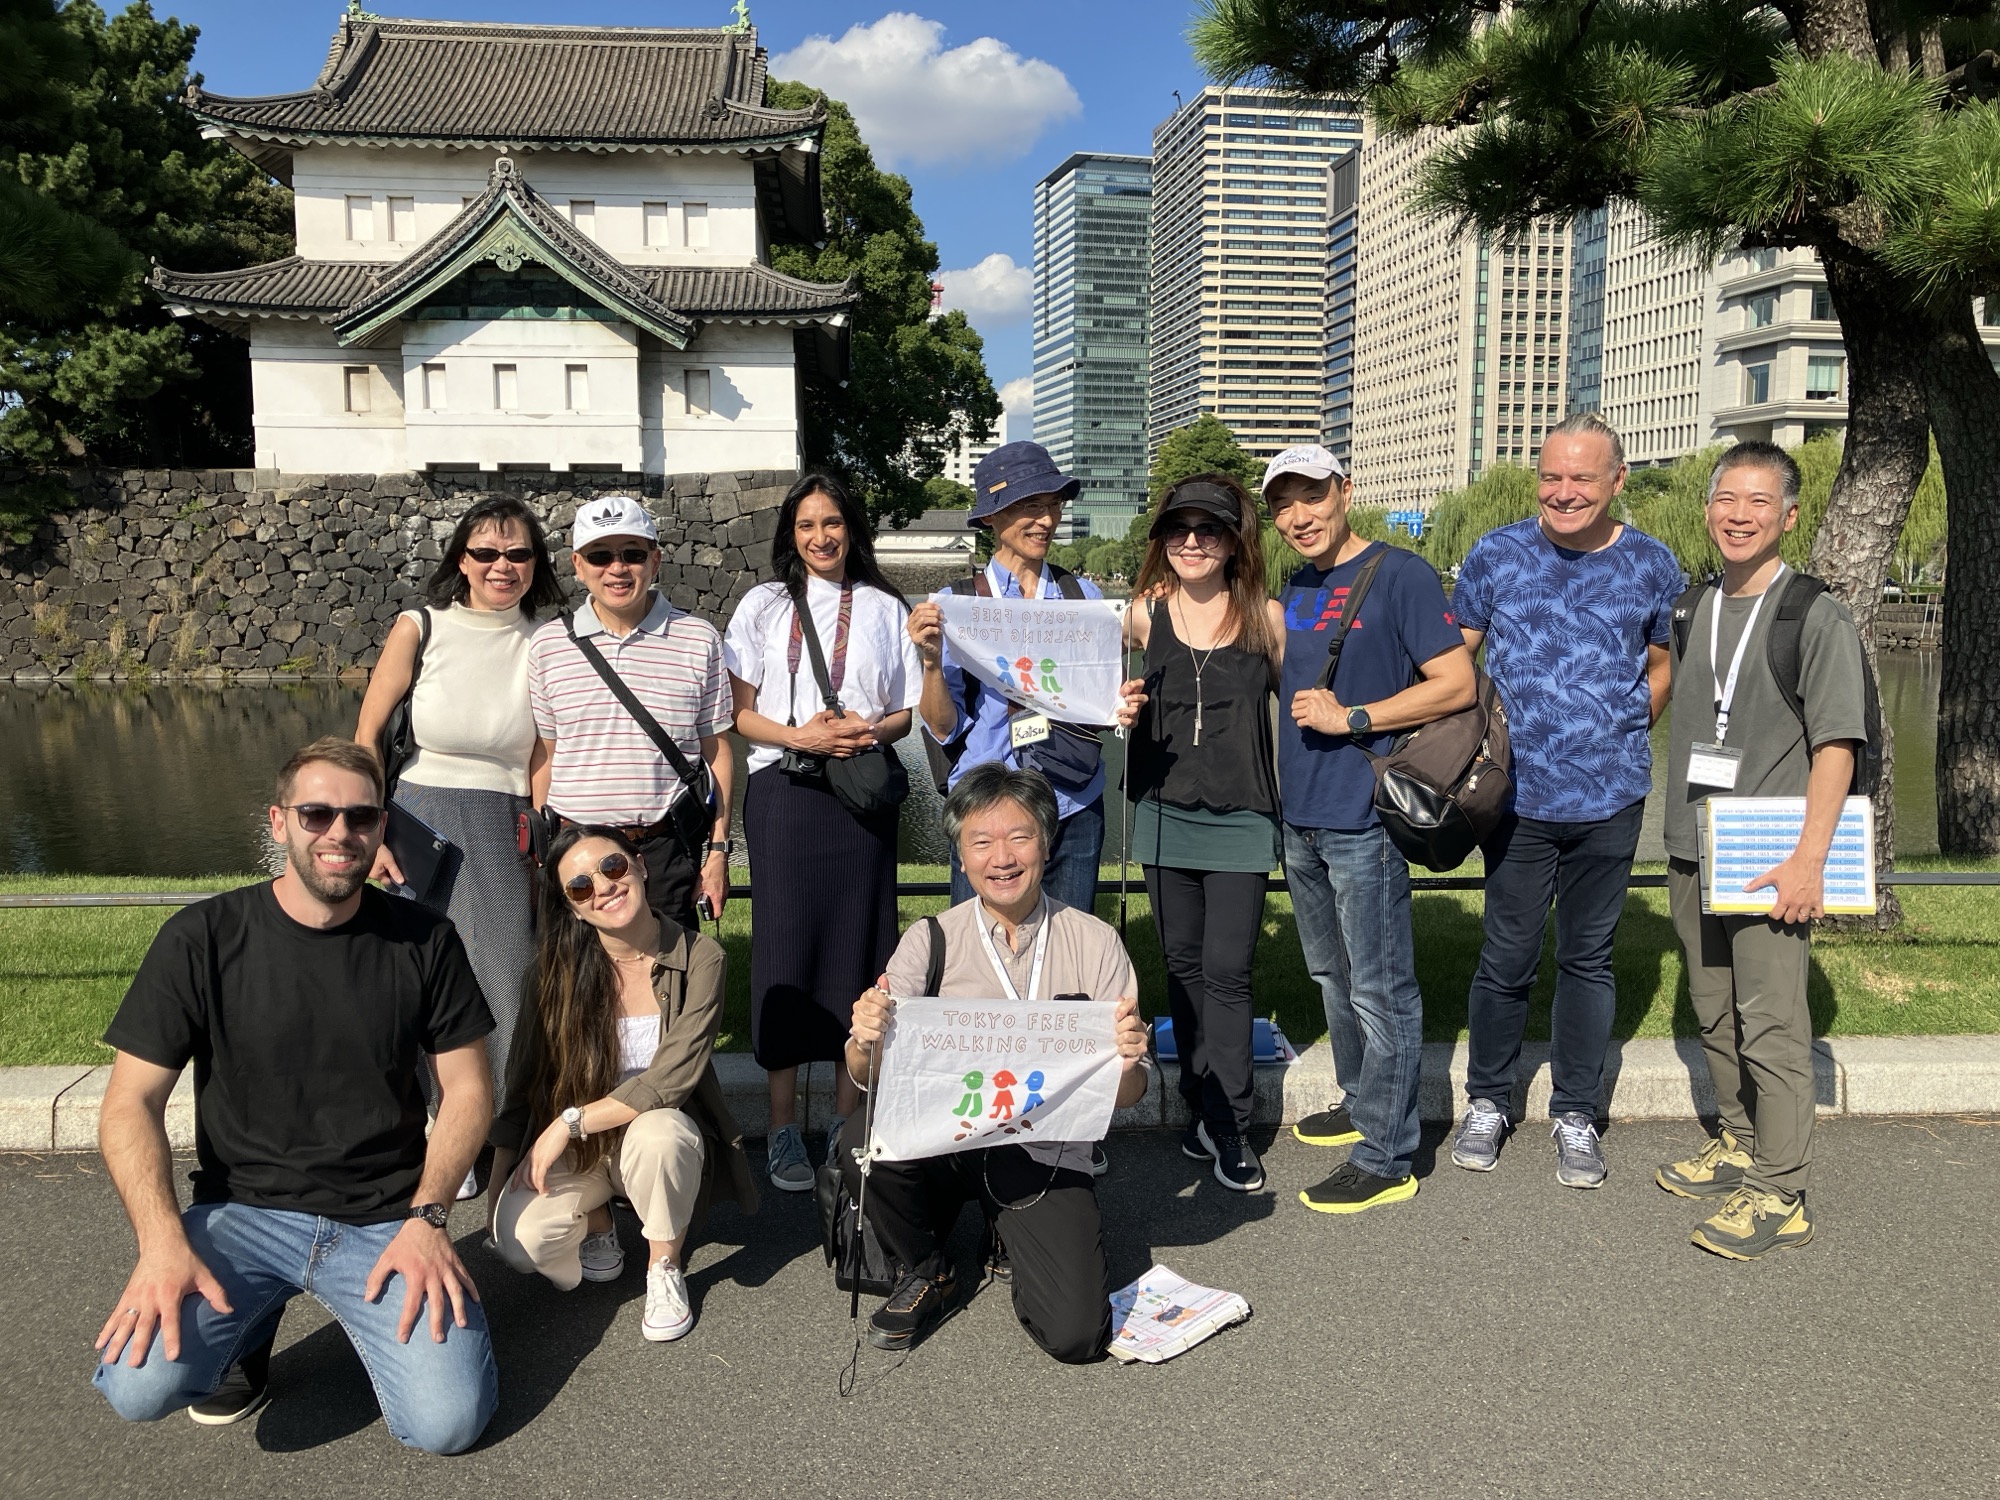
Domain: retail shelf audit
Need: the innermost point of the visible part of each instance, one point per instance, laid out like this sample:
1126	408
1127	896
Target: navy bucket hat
1014	472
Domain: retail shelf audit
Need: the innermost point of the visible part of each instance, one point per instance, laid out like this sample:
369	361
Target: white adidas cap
611	515
1308	459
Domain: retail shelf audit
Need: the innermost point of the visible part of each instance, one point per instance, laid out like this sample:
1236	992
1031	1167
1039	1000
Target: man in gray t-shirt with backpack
1770	699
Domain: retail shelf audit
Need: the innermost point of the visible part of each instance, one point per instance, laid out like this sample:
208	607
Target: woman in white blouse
476	744
824	878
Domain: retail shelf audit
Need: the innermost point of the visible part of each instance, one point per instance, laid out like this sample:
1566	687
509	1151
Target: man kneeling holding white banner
994	1088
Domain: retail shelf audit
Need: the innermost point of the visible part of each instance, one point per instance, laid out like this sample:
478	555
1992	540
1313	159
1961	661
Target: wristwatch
437	1215
1358	722
573	1117
724	847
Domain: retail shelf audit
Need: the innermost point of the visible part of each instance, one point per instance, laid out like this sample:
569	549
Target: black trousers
1046	1219
1209	922
670	878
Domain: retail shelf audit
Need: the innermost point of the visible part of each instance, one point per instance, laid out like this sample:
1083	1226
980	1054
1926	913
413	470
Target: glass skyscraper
1093	218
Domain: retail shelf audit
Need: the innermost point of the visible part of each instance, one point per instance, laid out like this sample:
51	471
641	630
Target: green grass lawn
63	971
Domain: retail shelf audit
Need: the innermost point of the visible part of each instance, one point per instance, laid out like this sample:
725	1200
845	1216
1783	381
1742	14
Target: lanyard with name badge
1025	726
1034	970
1717	765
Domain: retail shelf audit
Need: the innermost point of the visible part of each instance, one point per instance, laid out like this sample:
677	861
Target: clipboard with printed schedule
1742	837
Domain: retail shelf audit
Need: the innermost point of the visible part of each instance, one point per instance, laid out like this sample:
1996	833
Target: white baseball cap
611	515
1308	459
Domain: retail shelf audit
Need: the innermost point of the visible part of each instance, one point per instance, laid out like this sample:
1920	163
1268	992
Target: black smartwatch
437	1215
1358	722
722	847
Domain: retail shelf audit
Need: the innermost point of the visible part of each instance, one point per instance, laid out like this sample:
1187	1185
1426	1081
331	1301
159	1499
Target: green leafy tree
941	493
1204	446
1865	132
918	383
111	377
1500	496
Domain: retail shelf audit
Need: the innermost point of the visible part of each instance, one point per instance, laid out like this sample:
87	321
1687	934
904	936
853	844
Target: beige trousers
657	1166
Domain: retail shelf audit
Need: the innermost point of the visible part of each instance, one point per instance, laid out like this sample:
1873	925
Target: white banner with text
1061	657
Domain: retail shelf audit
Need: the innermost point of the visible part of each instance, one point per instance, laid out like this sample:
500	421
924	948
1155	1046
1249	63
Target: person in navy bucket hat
1019	494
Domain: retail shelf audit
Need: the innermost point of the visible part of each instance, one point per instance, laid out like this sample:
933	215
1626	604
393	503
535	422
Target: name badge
1027	729
1714	765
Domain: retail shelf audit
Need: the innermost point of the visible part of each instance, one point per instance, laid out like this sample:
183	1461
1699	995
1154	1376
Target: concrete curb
56	1108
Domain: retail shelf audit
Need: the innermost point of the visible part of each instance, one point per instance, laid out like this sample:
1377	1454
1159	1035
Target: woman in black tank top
1201	773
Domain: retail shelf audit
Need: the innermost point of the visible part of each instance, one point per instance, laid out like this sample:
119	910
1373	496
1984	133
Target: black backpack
1783	646
860	1261
944	759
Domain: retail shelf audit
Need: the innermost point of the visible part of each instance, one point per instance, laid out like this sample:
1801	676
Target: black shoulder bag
868	784
690	816
399	732
420	850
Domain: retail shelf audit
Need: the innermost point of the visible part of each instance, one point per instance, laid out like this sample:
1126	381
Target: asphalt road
1498	1335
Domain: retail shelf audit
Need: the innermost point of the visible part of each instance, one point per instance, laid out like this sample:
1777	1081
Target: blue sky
973	103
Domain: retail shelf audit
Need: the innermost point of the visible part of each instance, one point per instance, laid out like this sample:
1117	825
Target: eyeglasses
580	888
632	557
494	554
318	817
1204	532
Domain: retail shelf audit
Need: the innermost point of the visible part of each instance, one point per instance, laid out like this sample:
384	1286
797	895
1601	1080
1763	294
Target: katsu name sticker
960	1074
1062	657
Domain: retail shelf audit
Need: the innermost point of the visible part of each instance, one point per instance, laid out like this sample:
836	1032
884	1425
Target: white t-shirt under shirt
883	673
473	725
638	1043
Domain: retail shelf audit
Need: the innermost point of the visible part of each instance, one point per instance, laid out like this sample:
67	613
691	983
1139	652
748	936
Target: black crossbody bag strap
696	785
1356	592
820	674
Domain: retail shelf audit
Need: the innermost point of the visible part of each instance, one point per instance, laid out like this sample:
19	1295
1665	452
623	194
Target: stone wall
252	574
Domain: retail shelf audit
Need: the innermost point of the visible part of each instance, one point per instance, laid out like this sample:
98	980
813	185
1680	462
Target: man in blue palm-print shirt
1575	610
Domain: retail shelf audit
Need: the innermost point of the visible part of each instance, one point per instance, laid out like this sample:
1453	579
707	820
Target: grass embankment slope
63	971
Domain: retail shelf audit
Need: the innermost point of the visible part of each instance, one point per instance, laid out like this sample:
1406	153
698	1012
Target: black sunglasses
580	888
632	557
494	554
1205	531
317	817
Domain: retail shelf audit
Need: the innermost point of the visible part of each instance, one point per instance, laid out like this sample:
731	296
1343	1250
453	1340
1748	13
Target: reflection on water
173	781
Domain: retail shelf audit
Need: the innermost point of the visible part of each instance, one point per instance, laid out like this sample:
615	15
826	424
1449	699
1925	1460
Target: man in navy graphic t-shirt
1575	610
1402	663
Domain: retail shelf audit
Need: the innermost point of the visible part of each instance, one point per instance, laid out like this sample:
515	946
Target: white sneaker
668	1315
469	1189
602	1256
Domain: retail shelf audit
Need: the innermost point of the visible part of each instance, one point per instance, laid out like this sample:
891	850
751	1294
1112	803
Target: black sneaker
993	1255
1236	1165
243	1391
912	1310
1194	1142
1330	1127
1351	1189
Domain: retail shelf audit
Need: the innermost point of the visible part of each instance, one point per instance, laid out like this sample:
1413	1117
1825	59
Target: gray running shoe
1476	1147
791	1170
1579	1156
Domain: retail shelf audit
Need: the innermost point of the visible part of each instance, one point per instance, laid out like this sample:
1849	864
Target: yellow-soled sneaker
1712	1172
1350	1189
1753	1222
1327	1127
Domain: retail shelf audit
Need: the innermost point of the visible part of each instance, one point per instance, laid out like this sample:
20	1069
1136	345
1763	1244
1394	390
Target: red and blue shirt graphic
1324	781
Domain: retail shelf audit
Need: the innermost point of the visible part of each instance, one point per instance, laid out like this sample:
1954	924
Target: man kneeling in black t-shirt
307	1005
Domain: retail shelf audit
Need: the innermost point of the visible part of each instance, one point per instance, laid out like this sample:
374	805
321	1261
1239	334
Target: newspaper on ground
1162	1314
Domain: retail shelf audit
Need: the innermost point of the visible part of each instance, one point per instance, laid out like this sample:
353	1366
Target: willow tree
1863	130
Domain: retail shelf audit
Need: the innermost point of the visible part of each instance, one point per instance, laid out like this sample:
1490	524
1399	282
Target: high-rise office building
1588	234
1093	227
1342	225
1239	262
1460	350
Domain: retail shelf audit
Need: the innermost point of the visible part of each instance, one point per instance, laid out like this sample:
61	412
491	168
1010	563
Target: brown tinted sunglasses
580	888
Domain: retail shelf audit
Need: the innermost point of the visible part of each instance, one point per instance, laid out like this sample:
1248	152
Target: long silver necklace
1200	664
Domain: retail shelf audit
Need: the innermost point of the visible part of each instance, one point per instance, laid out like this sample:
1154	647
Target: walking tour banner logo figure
1061	657
961	1074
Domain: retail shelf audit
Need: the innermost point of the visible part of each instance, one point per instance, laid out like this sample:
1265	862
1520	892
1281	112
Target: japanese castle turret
529	248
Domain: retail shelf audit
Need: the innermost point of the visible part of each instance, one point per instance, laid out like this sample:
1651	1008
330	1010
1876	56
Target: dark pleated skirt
822	920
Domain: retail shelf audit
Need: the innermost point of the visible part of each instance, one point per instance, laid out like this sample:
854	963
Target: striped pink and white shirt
607	769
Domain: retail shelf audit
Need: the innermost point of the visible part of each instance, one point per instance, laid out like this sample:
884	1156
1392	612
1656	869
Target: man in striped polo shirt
599	766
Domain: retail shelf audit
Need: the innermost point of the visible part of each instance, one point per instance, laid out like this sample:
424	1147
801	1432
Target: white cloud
994	291
1017	403
920	105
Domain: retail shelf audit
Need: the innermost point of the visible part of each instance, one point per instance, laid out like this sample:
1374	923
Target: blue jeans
438	1397
1584	868
1070	876
1351	900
